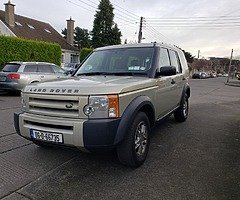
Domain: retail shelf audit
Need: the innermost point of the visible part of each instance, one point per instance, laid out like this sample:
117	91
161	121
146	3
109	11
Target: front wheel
181	114
133	151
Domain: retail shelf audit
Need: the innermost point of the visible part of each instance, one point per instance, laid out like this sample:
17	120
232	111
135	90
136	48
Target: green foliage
188	56
84	53
64	33
81	38
17	49
105	31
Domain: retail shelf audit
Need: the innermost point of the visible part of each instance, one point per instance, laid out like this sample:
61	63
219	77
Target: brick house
24	27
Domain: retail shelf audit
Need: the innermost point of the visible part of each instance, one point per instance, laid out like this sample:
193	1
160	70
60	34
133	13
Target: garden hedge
18	49
84	53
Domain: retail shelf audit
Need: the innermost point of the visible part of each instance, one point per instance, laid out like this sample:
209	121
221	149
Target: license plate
46	136
3	78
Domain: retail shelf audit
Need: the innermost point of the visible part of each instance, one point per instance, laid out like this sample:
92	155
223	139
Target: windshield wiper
108	73
92	73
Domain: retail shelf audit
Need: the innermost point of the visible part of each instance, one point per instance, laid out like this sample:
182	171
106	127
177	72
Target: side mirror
167	71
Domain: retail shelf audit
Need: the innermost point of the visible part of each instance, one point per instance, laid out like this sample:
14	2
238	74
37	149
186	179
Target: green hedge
84	53
17	49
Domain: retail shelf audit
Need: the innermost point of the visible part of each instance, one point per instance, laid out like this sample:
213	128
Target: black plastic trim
129	114
100	132
16	122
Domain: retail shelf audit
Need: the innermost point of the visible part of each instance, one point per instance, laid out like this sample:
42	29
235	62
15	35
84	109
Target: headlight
24	100
102	107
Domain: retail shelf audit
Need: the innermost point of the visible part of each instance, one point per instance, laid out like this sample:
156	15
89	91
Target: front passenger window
45	69
164	58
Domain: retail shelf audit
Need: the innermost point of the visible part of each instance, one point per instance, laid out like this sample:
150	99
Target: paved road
198	159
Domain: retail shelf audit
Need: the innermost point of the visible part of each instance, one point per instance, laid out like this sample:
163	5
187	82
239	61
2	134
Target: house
24	27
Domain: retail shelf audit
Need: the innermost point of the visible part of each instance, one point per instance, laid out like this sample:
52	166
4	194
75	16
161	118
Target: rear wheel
181	114
133	151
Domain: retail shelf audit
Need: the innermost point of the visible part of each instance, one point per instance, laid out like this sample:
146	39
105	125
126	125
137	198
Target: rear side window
175	61
11	67
30	68
45	68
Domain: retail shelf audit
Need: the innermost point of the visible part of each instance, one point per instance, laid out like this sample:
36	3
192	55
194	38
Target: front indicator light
113	106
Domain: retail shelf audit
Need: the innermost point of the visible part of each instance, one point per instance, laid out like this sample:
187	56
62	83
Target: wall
4	30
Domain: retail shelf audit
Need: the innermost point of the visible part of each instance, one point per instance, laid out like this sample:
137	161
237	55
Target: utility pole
230	64
198	54
140	30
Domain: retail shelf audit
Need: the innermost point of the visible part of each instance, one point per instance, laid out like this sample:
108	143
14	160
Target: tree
105	31
188	56
81	38
64	32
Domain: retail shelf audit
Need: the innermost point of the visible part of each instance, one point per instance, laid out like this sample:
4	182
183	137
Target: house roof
36	30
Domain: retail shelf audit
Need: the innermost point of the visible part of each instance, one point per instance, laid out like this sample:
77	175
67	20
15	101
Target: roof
25	63
121	46
36	30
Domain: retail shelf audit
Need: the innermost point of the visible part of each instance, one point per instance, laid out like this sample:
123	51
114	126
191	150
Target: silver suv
16	75
112	101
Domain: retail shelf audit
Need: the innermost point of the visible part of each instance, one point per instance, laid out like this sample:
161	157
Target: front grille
52	105
37	124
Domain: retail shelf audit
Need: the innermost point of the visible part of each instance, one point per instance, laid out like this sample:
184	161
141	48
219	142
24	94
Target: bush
18	49
84	53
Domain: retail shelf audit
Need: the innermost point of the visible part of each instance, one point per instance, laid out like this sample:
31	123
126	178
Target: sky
212	27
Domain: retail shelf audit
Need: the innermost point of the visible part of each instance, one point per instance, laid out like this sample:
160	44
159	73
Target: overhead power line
177	18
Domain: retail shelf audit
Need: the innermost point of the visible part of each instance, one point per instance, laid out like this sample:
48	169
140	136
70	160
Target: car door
166	91
178	78
45	72
30	74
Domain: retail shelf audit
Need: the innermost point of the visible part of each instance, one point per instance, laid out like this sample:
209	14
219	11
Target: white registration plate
3	78
46	136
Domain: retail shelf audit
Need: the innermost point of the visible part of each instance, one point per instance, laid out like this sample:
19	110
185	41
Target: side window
164	58
44	68
175	61
30	68
57	69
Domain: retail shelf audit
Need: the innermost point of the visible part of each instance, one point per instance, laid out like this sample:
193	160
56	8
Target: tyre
134	149
181	114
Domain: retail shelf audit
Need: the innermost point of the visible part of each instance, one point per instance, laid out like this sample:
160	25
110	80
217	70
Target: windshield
11	67
129	61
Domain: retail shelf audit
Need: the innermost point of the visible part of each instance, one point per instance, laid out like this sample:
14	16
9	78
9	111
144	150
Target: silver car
16	75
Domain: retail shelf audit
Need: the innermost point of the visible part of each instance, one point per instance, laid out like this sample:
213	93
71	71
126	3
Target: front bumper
80	133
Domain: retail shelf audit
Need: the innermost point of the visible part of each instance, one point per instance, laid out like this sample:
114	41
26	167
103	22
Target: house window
74	58
47	30
18	23
30	26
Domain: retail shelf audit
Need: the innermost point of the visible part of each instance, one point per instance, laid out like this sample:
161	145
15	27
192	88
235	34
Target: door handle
173	81
42	76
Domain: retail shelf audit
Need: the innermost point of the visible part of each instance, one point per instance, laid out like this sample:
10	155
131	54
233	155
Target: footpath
233	82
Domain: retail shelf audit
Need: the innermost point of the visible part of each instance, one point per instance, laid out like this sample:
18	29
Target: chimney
9	14
70	31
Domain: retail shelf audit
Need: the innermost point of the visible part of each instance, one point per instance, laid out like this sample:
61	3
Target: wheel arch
142	104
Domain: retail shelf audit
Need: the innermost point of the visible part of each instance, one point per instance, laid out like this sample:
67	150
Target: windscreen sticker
134	68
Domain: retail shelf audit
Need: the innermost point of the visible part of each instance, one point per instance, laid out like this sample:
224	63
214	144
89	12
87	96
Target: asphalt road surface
197	159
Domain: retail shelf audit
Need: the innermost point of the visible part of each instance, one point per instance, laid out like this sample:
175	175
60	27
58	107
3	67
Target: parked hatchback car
16	75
